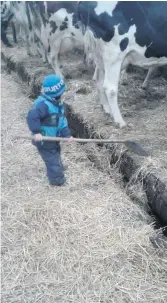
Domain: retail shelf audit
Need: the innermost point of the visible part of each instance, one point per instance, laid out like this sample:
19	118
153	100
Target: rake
130	144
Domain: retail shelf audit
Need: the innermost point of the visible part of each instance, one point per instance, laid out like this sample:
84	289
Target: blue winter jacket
48	119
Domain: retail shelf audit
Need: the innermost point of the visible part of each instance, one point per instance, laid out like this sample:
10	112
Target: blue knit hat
53	86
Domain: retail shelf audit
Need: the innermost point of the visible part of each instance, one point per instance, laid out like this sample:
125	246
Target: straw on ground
85	242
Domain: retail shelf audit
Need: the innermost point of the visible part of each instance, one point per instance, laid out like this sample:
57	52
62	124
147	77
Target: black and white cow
122	33
48	28
59	31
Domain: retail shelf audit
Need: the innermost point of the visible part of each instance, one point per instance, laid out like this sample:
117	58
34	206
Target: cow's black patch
63	26
49	14
148	17
72	34
74	22
123	28
124	44
101	25
53	26
66	19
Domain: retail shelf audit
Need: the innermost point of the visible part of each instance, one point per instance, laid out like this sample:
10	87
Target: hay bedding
85	242
144	111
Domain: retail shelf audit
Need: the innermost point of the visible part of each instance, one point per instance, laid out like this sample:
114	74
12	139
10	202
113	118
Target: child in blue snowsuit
47	118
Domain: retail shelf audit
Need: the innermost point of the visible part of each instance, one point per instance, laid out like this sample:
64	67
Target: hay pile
85	242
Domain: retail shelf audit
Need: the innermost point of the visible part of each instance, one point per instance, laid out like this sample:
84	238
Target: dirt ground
86	242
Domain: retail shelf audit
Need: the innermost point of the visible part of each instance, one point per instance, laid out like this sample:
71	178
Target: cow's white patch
60	15
105	6
45	5
60	41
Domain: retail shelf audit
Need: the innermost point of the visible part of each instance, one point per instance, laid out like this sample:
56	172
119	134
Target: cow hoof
122	124
124	82
129	126
107	112
119	125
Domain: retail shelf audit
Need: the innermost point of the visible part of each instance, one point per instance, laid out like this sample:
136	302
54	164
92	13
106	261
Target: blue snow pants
53	163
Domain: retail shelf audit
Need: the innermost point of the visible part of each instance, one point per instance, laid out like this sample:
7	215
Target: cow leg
110	85
28	46
26	36
53	58
33	50
103	98
14	32
29	43
104	101
124	76
148	77
95	74
46	57
124	73
42	53
4	38
17	30
21	33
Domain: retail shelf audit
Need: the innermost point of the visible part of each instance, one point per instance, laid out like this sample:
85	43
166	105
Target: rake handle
59	139
135	147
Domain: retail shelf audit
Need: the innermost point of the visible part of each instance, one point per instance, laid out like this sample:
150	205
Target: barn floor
143	111
147	123
86	242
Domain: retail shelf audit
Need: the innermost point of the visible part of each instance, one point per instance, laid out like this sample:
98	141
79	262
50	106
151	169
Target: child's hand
38	137
70	139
